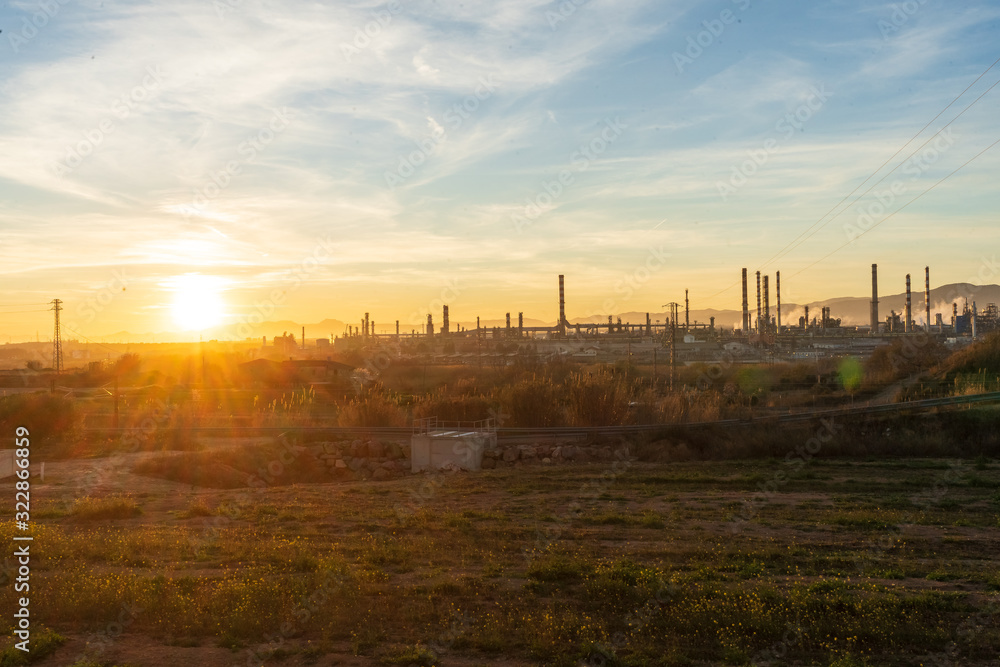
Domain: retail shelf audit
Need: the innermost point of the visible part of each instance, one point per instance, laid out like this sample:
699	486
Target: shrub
372	410
46	416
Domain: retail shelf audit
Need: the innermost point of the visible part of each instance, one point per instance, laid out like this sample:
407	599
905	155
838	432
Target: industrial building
763	336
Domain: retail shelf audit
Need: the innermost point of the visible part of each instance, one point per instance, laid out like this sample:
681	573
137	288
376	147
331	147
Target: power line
889	173
793	243
892	157
897	210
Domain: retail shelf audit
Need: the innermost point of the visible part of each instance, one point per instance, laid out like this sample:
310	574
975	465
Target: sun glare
198	302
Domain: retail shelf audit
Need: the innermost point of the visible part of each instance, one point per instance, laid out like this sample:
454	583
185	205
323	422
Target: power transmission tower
57	355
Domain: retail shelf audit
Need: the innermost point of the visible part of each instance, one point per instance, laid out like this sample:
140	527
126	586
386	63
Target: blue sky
382	157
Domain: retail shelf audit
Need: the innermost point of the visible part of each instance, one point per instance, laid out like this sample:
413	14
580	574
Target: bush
532	401
372	410
447	407
598	399
46	416
100	509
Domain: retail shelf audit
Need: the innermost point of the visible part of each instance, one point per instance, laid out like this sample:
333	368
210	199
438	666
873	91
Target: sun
198	302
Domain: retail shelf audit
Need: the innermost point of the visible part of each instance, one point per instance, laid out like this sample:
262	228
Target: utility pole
57	353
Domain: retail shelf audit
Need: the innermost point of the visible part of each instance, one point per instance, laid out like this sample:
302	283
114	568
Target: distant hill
851	310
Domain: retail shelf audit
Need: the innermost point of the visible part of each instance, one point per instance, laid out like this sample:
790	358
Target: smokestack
758	302
806	327
954	312
874	303
303	338
767	307
927	299
777	294
687	313
562	306
430	324
520	323
649	327
508	322
746	312
444	320
906	325
397	328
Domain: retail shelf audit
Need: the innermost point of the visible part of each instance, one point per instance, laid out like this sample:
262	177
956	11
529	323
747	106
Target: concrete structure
927	298
767	308
758	303
874	305
746	306
777	294
438	445
909	312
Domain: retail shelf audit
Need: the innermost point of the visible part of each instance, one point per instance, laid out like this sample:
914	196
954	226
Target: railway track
512	434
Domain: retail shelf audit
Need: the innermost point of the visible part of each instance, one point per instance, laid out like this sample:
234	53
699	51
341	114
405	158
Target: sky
167	165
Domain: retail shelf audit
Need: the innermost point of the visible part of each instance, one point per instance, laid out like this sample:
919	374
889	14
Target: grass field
831	562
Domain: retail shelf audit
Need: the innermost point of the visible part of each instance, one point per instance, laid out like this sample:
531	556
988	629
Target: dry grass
501	565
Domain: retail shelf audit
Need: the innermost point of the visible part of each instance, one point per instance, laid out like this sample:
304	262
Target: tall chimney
397	328
927	299
874	303
508	322
366	324
520	324
746	312
758	302
906	325
303	338
444	320
777	294
649	327
767	307
806	327
562	307
430	324
687	312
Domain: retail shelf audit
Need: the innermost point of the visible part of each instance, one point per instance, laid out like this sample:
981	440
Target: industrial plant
762	335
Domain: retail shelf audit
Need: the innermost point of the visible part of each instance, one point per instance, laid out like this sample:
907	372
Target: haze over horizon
163	165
